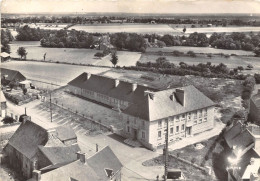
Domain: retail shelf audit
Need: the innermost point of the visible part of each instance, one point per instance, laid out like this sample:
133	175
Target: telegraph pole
50	107
166	151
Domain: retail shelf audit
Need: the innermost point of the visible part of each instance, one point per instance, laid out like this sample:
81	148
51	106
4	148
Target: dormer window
109	172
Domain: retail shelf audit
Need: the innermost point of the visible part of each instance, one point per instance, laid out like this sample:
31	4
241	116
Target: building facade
254	112
144	111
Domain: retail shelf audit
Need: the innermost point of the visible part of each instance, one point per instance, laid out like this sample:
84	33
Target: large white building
145	110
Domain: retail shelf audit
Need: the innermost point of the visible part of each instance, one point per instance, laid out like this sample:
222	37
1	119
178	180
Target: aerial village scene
143	90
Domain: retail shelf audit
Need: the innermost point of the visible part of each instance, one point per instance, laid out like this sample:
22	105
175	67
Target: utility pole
166	151
50	107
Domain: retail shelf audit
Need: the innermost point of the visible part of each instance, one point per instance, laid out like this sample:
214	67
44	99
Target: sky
130	6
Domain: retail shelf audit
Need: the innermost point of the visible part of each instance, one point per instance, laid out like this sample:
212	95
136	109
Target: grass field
130	28
50	72
203	50
71	55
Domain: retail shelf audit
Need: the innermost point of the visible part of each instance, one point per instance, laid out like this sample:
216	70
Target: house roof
27	138
12	74
65	133
93	168
60	154
2	96
141	104
106	85
256	99
239	137
162	105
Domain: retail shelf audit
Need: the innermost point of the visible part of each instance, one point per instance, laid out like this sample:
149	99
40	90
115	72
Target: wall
42	160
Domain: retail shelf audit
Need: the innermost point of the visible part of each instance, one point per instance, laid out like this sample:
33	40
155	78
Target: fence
86	117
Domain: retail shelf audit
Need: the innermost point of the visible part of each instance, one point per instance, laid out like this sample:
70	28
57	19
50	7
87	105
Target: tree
99	54
114	59
22	52
184	30
257	52
24	91
240	68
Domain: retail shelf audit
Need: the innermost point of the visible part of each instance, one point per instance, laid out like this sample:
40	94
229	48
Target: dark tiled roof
238	136
12	74
142	105
92	169
27	138
60	154
256	100
65	133
163	105
105	158
106	86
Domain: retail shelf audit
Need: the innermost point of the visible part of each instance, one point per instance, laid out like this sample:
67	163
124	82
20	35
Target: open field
203	50
130	28
72	55
54	73
231	62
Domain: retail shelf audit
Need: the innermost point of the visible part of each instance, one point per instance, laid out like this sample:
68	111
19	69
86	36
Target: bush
191	53
99	54
8	120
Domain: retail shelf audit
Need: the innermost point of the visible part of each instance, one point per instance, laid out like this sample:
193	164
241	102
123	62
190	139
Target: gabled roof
162	105
27	138
93	168
60	154
141	104
256	99
4	54
12	74
65	133
105	85
104	159
239	137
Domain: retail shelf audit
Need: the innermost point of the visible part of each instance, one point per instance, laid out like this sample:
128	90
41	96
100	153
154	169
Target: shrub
99	54
191	53
8	120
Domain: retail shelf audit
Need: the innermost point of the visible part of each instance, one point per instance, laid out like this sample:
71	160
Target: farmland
204	50
71	55
130	28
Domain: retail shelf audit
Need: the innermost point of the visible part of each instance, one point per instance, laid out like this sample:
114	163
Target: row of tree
131	19
6	37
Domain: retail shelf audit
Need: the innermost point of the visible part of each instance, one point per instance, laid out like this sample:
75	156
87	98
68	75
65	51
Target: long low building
145	110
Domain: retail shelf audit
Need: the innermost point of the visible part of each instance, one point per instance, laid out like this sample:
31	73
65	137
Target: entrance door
135	134
188	129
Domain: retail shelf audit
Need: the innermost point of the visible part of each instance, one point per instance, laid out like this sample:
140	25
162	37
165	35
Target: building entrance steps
132	142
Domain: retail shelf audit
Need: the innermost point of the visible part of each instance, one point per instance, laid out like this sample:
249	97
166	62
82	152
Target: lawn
203	50
72	55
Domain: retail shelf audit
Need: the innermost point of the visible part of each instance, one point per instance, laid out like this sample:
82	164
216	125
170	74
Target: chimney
180	96
25	118
134	86
116	82
36	175
88	76
81	157
52	134
150	94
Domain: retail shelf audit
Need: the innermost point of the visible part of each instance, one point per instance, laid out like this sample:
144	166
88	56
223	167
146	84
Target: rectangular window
195	115
206	112
200	121
171	131
143	135
183	116
128	129
182	127
195	121
177	119
159	134
200	113
205	119
160	123
177	129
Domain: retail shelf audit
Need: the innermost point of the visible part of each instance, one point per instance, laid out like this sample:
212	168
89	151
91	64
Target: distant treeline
133	19
136	42
6	37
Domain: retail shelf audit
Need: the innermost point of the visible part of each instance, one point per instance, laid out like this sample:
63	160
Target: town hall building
144	111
